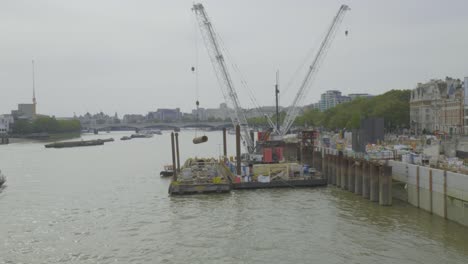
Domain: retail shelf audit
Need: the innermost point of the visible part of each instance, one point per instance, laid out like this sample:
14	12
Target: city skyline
139	57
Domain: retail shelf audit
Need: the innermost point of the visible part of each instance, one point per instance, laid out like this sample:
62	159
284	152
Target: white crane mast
293	110
220	68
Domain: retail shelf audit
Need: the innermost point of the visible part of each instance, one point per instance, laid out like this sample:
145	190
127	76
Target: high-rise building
332	98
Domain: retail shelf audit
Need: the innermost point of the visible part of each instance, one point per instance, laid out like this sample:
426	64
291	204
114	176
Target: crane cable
195	72
243	82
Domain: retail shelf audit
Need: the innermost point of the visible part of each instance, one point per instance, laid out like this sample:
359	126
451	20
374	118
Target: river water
107	204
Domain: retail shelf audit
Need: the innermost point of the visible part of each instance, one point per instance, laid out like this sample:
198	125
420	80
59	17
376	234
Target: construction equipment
293	110
220	68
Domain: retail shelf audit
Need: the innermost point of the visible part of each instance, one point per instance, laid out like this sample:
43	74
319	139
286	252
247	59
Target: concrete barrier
437	191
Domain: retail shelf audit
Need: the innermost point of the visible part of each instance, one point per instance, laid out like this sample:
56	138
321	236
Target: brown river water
107	204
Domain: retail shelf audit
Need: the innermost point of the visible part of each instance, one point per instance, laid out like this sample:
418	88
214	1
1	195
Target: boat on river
81	143
167	172
142	135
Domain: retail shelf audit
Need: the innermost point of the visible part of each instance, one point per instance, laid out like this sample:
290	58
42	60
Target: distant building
26	111
204	114
330	99
438	105
6	122
359	95
199	114
98	119
133	119
166	114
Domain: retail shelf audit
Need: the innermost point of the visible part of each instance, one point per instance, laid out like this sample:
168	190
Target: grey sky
135	56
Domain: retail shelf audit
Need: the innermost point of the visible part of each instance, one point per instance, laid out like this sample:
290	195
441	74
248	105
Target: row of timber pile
371	179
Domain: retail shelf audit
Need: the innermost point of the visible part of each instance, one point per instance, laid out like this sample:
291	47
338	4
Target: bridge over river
162	126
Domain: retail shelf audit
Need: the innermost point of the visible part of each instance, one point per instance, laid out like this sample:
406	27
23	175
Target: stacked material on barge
279	175
200	175
81	143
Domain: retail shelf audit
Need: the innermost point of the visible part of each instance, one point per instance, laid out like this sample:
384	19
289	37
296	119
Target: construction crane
293	110
220	68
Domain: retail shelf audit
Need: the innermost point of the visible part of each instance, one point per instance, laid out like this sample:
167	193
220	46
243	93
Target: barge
81	143
200	176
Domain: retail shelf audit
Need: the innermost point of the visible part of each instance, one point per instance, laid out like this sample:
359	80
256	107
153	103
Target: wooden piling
374	182
177	151
358	177
333	169
385	185
312	162
224	144
323	166
338	171
351	175
365	179
344	174
173	157
238	151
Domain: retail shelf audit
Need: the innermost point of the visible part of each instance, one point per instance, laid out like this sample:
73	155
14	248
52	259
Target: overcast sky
135	56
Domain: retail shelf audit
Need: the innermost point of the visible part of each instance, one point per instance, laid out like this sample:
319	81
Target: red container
279	153
267	155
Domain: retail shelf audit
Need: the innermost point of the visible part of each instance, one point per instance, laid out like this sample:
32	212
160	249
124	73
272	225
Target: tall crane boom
220	68
293	110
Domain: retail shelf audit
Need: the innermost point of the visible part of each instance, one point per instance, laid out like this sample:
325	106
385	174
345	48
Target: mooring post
358	177
344	173
374	181
177	151
365	179
173	157
313	157
351	175
385	185
252	136
332	169
327	167
224	144
338	170
238	151
322	159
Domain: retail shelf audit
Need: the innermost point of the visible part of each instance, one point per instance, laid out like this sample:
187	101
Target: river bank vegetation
45	124
393	106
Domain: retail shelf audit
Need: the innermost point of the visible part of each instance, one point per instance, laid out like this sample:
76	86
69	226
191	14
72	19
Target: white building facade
438	106
6	123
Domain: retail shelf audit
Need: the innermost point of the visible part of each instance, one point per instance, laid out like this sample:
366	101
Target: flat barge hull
182	189
280	184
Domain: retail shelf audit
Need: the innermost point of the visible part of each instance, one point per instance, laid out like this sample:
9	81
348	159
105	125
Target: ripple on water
117	210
